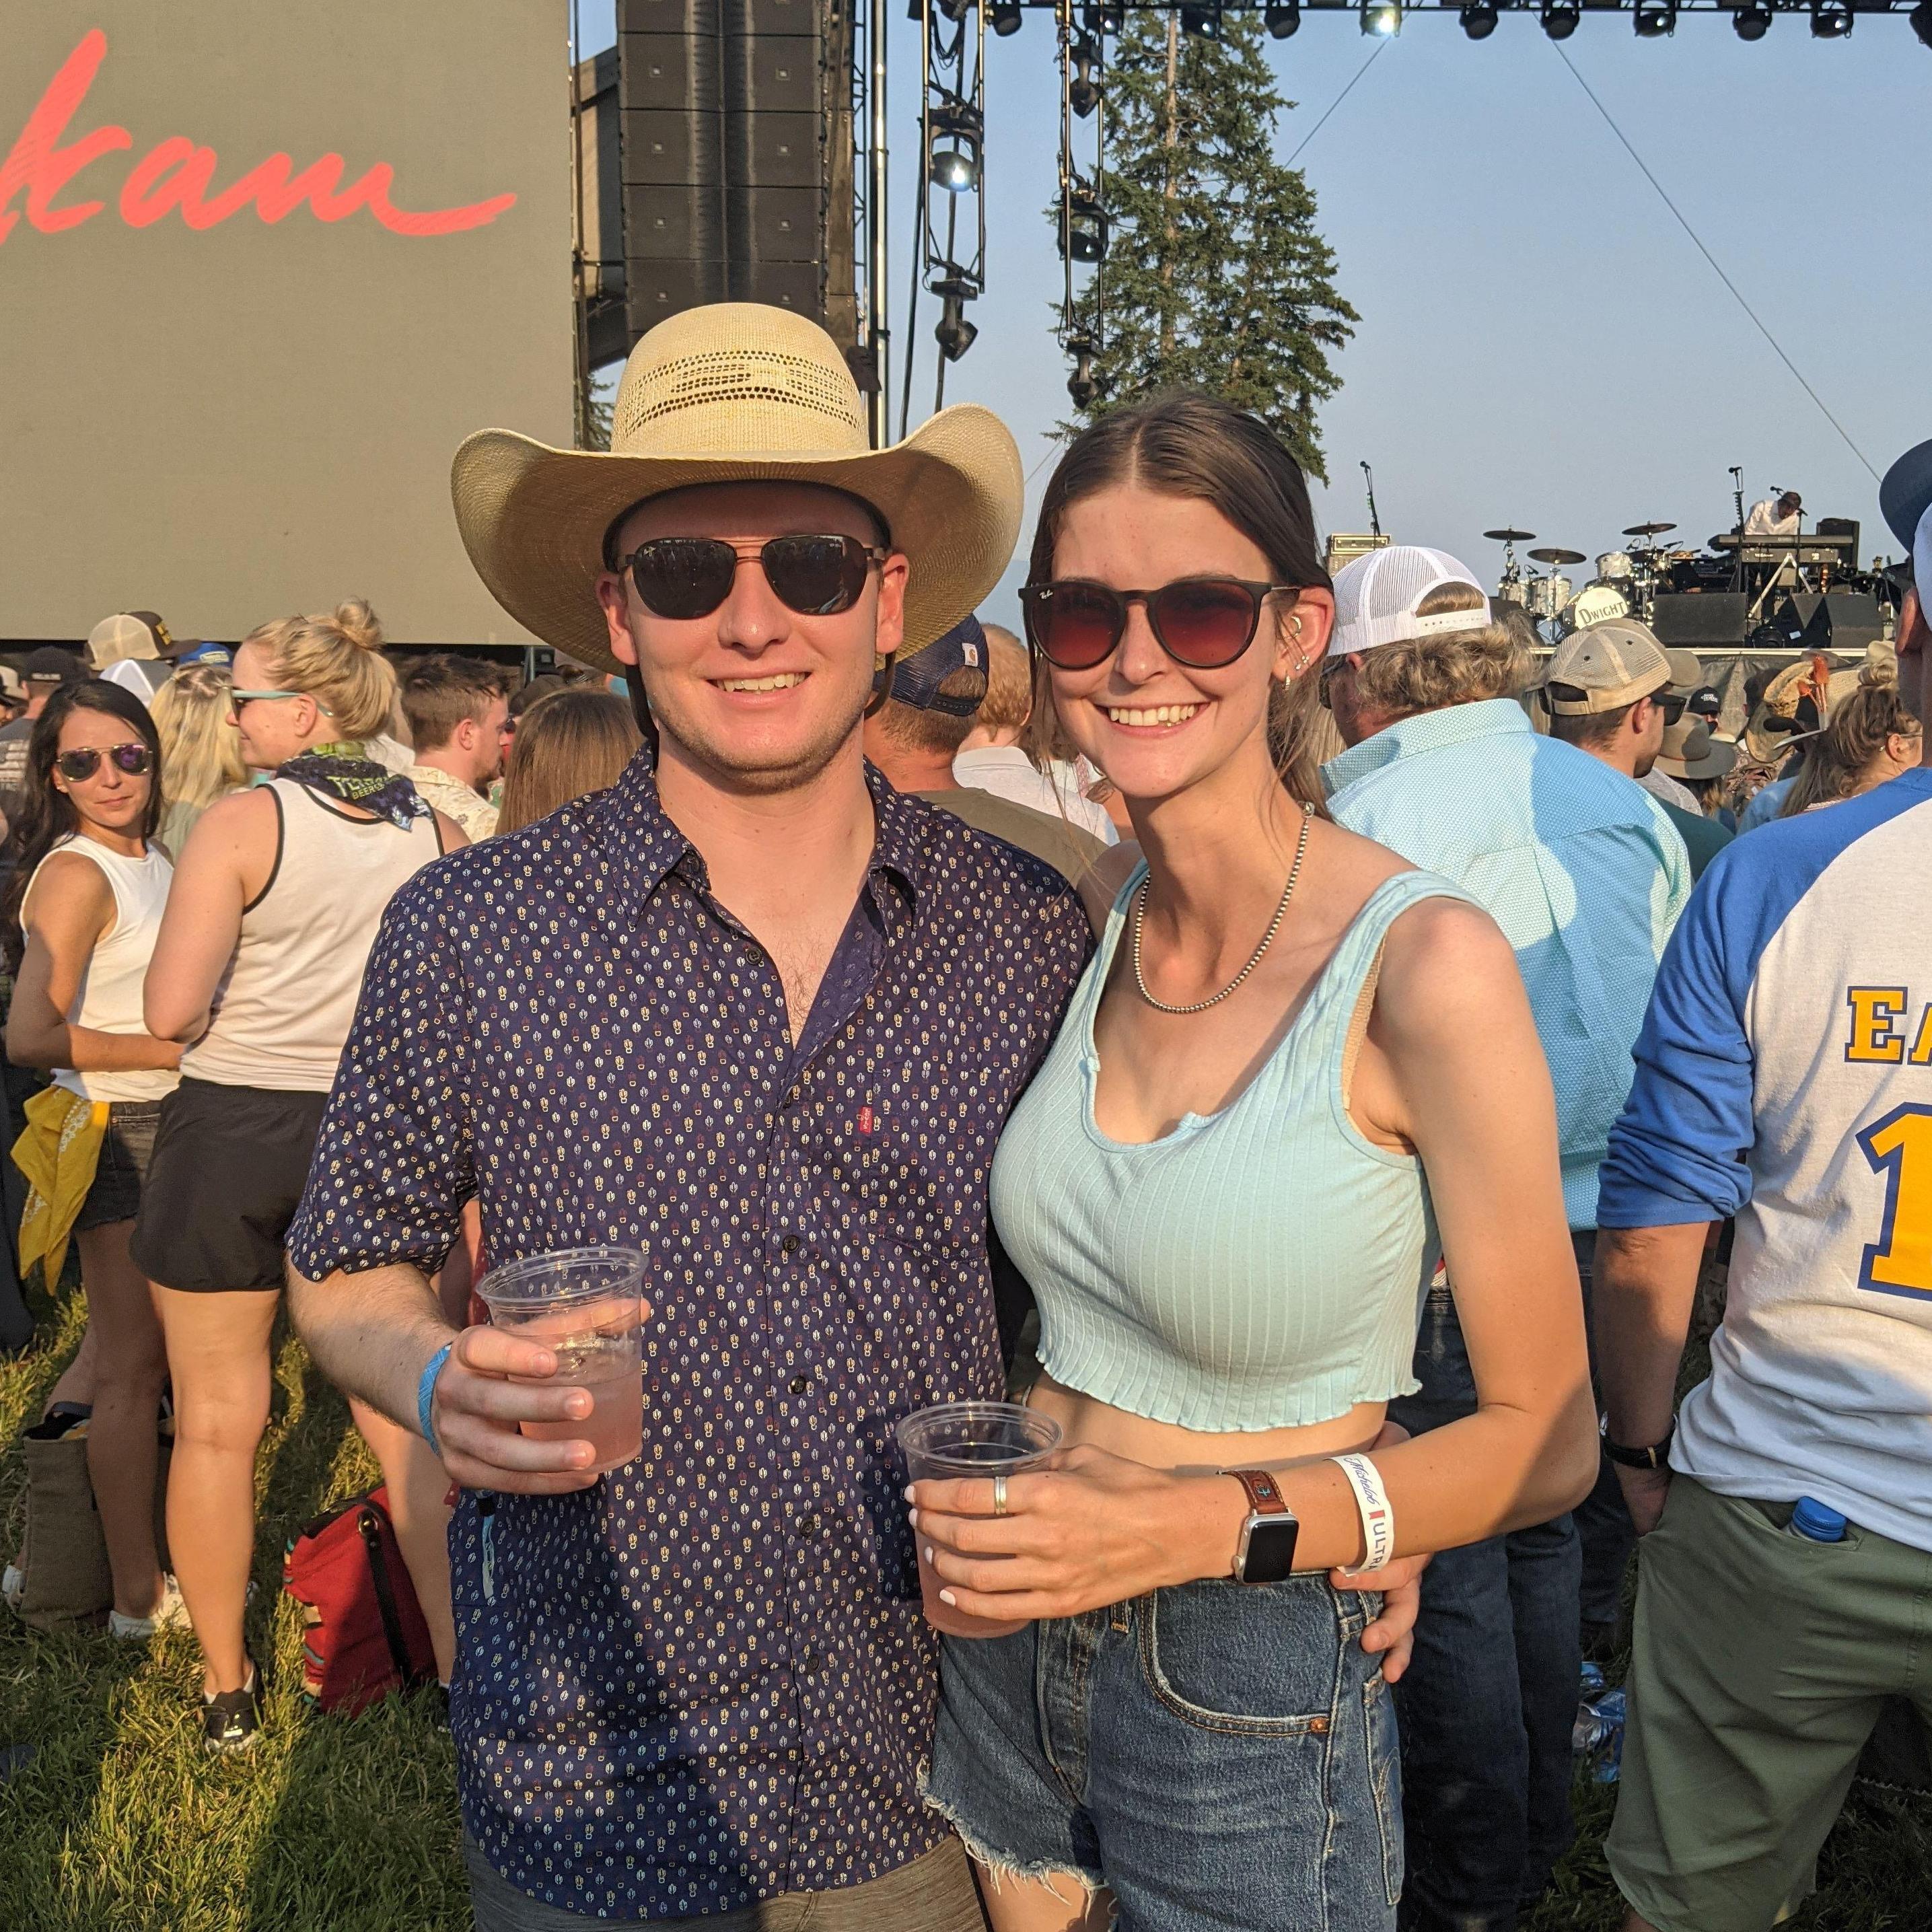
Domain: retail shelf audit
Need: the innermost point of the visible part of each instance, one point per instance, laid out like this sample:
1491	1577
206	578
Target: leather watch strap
1265	1495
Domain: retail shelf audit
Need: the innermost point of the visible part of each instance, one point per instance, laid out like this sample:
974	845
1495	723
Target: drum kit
1625	584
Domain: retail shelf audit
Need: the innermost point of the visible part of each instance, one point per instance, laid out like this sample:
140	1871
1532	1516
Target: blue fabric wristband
426	1395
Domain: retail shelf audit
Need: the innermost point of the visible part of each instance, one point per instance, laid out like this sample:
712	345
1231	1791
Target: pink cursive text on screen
178	173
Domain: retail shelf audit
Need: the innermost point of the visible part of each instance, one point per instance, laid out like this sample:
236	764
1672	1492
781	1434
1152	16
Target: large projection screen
261	268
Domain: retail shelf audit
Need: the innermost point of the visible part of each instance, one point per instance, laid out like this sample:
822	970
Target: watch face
1271	1550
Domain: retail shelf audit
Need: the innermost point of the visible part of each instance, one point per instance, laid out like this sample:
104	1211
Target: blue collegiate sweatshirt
1784	1076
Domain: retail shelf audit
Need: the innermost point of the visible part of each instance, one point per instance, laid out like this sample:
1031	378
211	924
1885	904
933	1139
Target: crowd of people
1296	1046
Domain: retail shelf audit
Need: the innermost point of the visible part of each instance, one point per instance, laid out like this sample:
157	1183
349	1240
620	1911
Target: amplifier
1693	619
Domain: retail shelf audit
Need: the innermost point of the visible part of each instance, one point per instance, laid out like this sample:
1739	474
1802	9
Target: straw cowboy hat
735	392
1804	694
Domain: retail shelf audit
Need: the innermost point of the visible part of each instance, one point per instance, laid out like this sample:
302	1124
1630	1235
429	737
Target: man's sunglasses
690	577
76	767
1203	622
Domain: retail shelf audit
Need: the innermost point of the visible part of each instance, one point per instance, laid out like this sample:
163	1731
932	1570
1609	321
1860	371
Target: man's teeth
1161	714
783	681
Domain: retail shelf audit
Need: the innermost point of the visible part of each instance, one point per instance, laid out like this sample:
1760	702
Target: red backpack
365	1636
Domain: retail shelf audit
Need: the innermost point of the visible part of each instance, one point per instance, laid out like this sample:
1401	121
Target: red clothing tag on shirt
864	1120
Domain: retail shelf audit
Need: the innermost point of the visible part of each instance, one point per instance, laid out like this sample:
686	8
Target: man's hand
1644	1493
492	1383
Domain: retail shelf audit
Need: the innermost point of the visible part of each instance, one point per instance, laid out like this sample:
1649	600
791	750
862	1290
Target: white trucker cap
1375	598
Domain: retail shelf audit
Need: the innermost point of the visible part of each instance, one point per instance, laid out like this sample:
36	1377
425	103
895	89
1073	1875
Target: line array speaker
736	155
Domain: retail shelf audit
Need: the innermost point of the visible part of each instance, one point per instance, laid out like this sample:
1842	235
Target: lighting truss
952	263
1083	212
1828	19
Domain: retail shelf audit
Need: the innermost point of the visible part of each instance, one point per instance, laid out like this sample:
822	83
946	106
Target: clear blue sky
1541	343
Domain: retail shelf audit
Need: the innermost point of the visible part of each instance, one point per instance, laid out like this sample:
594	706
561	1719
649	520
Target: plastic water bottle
1610	1714
1817	1522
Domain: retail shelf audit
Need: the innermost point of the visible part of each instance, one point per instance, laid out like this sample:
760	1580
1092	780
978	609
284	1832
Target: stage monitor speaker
1844	621
1700	619
737	156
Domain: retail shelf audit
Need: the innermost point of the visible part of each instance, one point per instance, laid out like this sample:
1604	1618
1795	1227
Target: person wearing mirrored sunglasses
77	928
1295	1072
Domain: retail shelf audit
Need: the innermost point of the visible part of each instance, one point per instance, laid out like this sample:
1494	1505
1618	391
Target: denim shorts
1220	1755
115	1192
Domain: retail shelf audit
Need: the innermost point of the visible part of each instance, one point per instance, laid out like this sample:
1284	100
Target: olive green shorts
1758	1668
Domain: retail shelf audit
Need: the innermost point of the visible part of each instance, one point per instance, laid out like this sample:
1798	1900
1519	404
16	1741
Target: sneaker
170	1613
231	1720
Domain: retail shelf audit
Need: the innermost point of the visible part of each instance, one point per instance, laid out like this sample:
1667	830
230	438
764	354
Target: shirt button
788	1245
810	1664
807	1527
799	1384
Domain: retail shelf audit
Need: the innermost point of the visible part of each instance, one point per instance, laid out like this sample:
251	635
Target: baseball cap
11	689
50	664
1690	752
915	680
138	634
1375	598
1614	664
193	650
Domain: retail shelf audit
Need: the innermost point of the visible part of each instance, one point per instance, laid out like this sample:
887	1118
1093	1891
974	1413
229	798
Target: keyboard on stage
1812	547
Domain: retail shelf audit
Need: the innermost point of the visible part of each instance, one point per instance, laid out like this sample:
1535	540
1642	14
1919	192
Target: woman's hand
1392	1636
1084	1530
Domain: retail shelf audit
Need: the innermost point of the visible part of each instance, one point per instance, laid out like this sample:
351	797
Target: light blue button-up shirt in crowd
1579	866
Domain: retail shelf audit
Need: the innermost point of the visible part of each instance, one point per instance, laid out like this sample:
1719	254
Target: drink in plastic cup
971	1438
583	1304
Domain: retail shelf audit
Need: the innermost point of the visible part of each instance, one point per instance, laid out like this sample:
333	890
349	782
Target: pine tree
1216	276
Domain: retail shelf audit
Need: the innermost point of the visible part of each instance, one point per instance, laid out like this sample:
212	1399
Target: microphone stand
1737	555
1375	522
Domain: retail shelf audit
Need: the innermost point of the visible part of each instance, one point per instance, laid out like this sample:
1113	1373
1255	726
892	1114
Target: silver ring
999	1495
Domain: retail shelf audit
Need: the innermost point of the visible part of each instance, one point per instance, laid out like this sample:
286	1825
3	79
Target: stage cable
1380	47
1716	268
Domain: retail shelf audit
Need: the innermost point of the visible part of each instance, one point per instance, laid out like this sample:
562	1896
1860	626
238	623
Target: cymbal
1510	536
1649	529
1559	557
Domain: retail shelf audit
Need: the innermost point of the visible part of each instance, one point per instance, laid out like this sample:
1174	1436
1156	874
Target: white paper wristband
1372	1500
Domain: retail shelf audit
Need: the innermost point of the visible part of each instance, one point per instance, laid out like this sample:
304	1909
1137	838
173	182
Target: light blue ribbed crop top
1262	1268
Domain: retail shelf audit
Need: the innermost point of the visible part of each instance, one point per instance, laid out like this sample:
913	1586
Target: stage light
954	334
1479	21
1086	224
1005	16
1831	20
1560	18
954	131
954	10
1083	91
1081	385
1204	23
1921	21
1382	16
1752	23
1654	18
1108	19
1281	22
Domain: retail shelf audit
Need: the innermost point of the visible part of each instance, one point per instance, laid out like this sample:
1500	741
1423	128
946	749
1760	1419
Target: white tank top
109	999
283	1011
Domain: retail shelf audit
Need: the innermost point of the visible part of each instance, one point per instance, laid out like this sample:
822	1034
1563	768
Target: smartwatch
1266	1552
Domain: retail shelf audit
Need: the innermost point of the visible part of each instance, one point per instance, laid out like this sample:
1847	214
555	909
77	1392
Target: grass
122	1824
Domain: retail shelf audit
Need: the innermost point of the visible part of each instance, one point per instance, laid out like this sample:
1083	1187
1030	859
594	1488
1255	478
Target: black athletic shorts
229	1168
115	1194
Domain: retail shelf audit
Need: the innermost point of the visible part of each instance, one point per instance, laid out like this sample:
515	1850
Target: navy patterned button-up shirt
705	1680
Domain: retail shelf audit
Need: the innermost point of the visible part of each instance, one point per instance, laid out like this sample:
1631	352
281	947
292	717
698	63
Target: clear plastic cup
583	1304
971	1438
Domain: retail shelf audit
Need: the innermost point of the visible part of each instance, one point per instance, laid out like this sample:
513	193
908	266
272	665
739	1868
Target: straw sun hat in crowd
735	392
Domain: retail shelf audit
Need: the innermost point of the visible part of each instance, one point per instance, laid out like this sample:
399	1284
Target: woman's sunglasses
1203	622
690	577
76	767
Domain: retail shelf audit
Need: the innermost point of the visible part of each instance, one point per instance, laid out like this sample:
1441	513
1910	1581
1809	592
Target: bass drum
1549	596
1597	602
